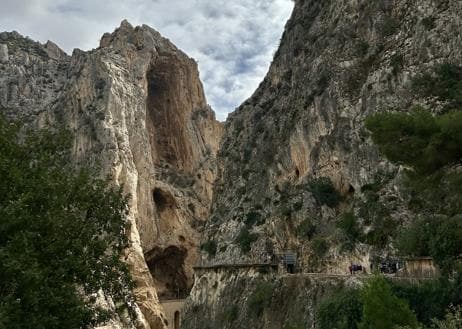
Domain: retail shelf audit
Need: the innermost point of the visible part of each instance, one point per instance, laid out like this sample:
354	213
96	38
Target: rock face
295	156
137	110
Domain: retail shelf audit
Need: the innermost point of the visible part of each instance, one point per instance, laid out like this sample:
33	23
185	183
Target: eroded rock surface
138	111
338	62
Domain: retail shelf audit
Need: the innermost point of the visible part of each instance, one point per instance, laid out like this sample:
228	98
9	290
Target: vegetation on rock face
245	239
443	82
418	139
324	192
341	310
430	146
431	299
210	247
260	298
437	236
62	233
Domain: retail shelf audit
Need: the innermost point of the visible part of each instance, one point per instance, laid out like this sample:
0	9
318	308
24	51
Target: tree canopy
62	232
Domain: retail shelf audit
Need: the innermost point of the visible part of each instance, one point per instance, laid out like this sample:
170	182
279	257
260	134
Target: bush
340	311
418	139
62	233
324	192
443	82
382	309
245	239
453	320
430	299
389	26
253	218
429	23
362	47
320	246
397	63
436	236
231	314
210	247
350	227
306	229
260	298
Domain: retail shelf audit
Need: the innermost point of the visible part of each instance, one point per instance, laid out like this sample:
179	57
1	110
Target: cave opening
167	267
164	113
162	200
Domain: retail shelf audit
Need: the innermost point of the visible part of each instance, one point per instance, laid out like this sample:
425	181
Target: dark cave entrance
167	269
163	200
164	113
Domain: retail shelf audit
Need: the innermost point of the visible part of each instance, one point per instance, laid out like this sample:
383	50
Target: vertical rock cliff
137	110
296	157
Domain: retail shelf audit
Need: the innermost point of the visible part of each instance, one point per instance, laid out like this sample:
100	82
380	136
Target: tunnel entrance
167	269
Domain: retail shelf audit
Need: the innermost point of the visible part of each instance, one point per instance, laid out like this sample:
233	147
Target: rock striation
302	134
137	110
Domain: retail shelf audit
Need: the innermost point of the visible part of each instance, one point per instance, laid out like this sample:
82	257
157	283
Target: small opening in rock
351	190
181	238
163	200
297	173
191	207
199	176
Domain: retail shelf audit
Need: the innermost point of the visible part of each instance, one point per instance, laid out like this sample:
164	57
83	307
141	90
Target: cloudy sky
233	40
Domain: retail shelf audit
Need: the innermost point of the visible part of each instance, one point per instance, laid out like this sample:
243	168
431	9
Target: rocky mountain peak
139	38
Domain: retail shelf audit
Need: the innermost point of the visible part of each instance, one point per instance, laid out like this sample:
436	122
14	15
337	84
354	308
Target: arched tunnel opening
167	267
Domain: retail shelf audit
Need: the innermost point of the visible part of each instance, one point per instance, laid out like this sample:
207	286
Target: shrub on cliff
62	232
444	82
245	239
418	139
260	298
382	309
342	310
324	192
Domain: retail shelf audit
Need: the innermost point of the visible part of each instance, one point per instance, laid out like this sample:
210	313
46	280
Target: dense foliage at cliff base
62	233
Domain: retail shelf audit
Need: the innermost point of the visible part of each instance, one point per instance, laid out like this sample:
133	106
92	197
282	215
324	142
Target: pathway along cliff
137	110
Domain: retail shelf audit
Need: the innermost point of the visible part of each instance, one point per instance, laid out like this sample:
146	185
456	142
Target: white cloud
233	40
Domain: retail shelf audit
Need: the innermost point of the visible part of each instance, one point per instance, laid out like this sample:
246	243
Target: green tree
382	309
340	311
418	139
62	233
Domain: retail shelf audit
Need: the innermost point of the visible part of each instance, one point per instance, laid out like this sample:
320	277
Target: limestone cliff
295	156
137	109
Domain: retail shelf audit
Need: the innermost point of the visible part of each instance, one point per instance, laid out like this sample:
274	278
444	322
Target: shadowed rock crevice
165	113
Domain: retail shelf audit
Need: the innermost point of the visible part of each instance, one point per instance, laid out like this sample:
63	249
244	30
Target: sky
233	41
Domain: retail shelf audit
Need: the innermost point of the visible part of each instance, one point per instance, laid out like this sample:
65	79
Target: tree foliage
430	299
382	309
418	139
62	232
343	310
437	236
444	82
